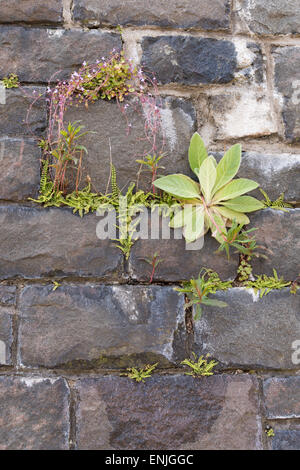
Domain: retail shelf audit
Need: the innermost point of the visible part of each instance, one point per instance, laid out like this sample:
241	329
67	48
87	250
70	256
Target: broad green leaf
197	152
217	225
214	302
233	215
234	189
207	177
193	223
178	185
228	166
244	204
178	220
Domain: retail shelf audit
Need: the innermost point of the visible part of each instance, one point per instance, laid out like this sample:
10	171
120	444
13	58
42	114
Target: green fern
279	204
114	187
200	367
265	284
139	375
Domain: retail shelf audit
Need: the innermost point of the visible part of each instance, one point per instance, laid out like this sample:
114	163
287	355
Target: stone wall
229	69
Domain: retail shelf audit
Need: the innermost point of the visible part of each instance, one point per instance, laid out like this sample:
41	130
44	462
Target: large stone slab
128	140
8	295
279	232
199	14
286	439
35	55
275	173
251	332
5	336
189	60
241	112
34	413
170	412
287	84
19	168
263	18
23	112
86	325
38	242
177	261
31	11
282	397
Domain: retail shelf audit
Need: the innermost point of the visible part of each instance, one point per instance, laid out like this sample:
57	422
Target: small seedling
279	204
269	431
200	367
295	285
140	374
12	81
152	162
197	291
154	262
265	284
56	285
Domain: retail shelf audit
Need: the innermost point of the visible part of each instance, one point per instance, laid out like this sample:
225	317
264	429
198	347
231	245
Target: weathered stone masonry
231	70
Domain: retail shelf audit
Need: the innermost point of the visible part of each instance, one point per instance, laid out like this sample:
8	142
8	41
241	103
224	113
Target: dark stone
279	17
86	325
178	261
279	232
36	55
19	169
188	60
170	412
199	14
287	83
250	332
276	174
23	113
31	11
7	295
282	397
38	242
34	413
286	439
178	123
5	336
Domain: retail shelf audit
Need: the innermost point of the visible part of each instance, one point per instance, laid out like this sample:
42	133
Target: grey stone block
170	412
34	414
87	325
250	332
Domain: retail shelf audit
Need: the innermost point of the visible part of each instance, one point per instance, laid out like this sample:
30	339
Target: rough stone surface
32	11
286	439
178	412
241	113
22	113
250	332
7	295
282	397
276	173
34	414
269	18
19	169
36	55
178	119
279	232
188	60
85	323
287	83
177	262
38	242
199	14
5	336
